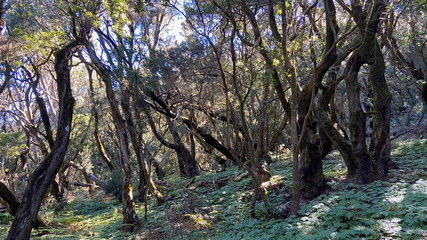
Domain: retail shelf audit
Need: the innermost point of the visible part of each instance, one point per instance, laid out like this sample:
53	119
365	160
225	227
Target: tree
366	166
46	171
130	218
252	77
13	204
273	57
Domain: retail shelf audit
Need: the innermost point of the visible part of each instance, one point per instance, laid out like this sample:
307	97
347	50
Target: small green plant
114	184
199	221
6	218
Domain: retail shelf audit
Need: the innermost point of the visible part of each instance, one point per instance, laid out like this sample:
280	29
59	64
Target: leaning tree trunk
187	164
13	204
99	145
10	198
209	139
46	171
186	161
344	147
130	218
146	183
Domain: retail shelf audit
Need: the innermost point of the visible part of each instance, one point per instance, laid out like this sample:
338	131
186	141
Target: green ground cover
216	206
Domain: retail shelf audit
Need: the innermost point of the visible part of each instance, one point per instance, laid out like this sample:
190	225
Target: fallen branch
88	176
240	177
81	184
409	130
97	180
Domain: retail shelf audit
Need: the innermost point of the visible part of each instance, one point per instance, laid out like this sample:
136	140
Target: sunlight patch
396	193
420	185
390	226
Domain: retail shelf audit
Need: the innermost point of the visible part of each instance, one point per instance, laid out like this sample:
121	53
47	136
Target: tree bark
2	21
13	204
8	76
46	171
209	139
368	53
9	198
54	188
137	144
130	218
424	90
95	114
314	146
344	147
187	164
357	125
43	112
380	144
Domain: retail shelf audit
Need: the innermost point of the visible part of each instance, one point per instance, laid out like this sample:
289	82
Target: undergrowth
216	206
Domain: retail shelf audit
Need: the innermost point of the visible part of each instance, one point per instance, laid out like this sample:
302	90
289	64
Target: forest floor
216	206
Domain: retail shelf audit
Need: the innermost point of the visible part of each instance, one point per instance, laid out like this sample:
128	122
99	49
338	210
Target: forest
213	119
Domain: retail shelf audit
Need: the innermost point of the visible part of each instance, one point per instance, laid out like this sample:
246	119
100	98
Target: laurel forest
213	119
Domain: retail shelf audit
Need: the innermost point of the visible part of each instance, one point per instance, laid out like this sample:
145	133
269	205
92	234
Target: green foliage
98	218
216	206
114	184
5	218
422	4
42	41
38	27
80	141
417	148
11	141
118	11
11	145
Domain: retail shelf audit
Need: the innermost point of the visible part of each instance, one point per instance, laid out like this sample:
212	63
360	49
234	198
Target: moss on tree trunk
380	144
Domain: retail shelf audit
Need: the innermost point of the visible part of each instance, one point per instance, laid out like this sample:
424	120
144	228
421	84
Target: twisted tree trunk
362	164
99	145
379	148
146	182
130	218
46	171
187	160
187	164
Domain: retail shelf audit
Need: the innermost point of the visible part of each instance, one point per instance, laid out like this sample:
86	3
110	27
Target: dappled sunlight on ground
216	206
